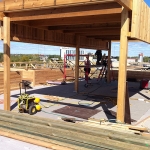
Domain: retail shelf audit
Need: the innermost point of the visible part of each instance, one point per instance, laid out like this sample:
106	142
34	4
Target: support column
6	24
122	65
77	64
0	30
109	63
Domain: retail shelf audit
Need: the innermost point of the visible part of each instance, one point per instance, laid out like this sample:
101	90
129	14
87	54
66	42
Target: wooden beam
122	65
21	5
112	18
92	29
77	64
1	30
106	37
95	32
127	107
66	12
67	15
6	22
126	3
109	63
85	27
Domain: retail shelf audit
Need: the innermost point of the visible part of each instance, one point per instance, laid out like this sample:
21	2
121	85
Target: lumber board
65	12
126	3
38	128
109	63
136	18
122	65
78	40
140	22
41	76
138	75
28	34
40	3
144	21
141	18
25	138
148	26
2	5
11	5
15	78
6	47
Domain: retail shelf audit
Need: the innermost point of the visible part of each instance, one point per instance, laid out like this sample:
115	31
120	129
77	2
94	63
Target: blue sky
134	48
148	2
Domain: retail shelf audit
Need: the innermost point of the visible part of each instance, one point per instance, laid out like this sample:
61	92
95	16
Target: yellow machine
27	103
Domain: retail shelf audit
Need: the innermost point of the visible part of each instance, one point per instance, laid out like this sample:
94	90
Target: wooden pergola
88	24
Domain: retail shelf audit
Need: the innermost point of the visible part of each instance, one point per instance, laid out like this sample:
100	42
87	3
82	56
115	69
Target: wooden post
109	63
127	107
77	64
6	22
122	65
0	30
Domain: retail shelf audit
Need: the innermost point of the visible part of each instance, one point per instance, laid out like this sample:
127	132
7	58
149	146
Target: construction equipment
27	103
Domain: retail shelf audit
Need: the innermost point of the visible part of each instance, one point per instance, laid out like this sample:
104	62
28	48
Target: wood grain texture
122	65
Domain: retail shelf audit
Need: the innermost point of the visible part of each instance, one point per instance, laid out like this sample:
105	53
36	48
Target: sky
134	48
148	2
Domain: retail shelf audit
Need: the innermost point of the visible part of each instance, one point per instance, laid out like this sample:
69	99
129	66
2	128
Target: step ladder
102	73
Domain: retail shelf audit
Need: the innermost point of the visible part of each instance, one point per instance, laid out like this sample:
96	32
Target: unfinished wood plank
39	3
23	33
149	27
63	2
77	64
127	107
28	15
136	21
122	65
142	129
13	5
33	141
141	19
109	63
0	30
6	22
146	20
111	18
126	3
2	4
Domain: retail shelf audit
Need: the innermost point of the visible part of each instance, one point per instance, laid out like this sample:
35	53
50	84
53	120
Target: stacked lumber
61	135
132	74
42	76
15	78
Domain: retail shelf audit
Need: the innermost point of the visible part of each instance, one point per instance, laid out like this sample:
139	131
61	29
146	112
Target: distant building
55	59
43	57
131	60
140	60
67	50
